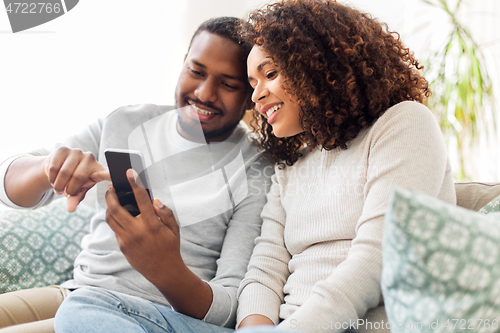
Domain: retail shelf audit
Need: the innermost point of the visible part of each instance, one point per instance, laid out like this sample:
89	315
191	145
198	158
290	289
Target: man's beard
192	127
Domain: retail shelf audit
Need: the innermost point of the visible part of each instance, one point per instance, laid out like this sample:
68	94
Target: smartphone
119	161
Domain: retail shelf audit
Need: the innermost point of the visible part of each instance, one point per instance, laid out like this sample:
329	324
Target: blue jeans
93	309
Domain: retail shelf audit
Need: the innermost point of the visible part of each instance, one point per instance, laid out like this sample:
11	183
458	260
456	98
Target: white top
318	261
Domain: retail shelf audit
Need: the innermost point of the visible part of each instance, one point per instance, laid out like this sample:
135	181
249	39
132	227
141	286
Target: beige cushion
476	195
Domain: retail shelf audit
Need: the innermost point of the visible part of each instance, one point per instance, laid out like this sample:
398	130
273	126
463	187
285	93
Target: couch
441	262
37	248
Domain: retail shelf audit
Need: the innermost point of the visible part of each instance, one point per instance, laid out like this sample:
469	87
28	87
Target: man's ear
250	105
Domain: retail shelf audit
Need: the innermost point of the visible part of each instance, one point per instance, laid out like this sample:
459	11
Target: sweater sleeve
261	292
406	149
243	227
86	140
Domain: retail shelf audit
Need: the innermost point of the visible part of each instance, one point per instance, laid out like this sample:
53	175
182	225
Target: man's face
212	85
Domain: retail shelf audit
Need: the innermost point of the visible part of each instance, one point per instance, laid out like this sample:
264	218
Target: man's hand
149	241
72	172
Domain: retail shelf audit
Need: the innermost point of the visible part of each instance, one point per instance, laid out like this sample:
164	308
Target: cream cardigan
317	264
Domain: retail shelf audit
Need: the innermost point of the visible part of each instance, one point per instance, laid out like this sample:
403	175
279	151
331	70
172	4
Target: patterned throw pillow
492	207
38	247
441	270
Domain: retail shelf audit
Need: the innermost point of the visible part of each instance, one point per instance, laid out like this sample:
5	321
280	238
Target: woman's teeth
273	109
201	111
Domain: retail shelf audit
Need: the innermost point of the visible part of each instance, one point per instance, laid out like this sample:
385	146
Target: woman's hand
255	320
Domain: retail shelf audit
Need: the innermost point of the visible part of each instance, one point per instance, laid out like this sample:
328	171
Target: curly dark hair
344	68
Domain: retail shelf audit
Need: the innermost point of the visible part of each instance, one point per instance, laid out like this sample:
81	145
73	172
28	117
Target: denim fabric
93	309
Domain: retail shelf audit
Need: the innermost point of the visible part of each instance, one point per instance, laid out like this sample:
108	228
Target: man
189	248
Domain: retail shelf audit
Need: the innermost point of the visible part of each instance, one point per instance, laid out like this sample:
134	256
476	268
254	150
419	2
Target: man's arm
151	244
25	181
67	171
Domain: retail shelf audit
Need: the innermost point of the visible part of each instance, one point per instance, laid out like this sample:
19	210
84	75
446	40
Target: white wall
56	78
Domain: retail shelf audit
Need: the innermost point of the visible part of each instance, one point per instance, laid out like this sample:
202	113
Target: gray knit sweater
216	191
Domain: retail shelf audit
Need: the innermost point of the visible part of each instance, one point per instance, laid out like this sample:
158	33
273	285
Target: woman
340	110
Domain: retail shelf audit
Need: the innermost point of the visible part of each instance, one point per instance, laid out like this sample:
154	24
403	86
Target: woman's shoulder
406	121
406	127
404	116
407	111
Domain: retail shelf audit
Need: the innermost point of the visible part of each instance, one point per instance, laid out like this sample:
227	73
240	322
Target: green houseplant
462	90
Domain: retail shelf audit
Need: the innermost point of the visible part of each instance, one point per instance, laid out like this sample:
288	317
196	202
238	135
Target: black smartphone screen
119	161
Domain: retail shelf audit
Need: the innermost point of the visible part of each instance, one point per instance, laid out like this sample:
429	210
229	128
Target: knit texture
317	264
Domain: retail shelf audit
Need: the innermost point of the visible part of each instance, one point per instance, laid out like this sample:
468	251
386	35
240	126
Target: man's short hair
226	27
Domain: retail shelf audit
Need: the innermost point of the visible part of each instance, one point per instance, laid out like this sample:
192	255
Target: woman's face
269	95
